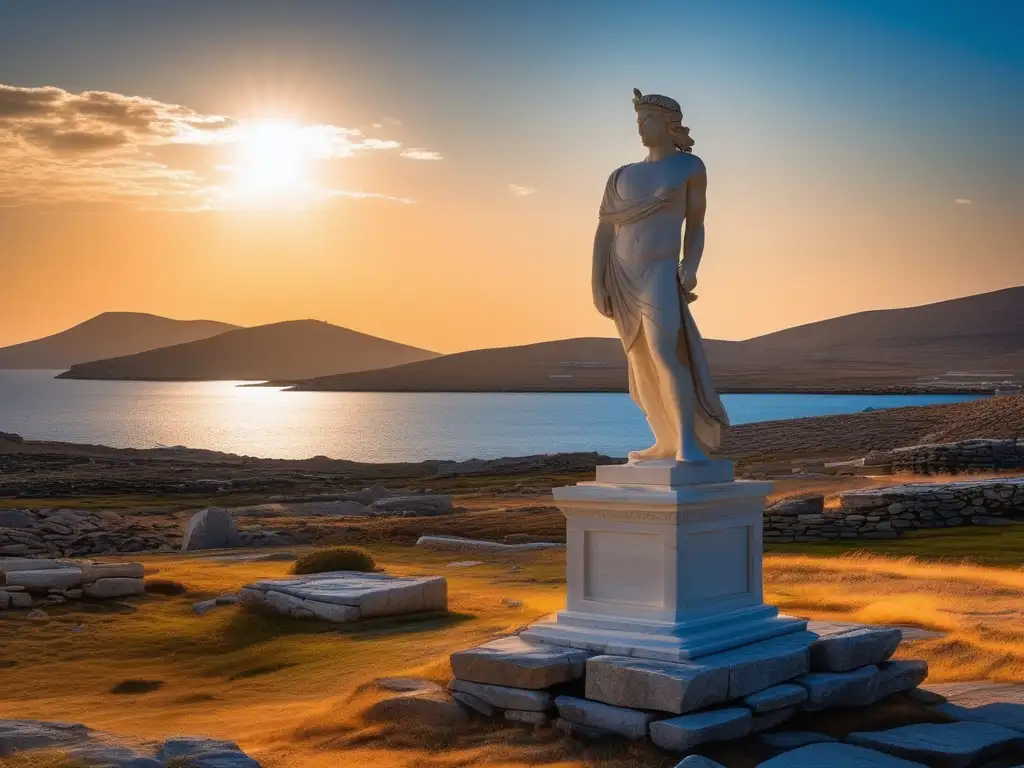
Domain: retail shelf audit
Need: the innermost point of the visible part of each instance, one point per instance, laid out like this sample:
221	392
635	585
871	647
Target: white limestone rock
95	571
504	697
757	666
946	745
44	579
211	528
681	734
8	564
844	647
827	690
517	663
626	681
115	587
629	723
776	697
835	755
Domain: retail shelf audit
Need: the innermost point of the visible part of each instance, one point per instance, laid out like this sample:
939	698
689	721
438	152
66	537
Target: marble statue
640	282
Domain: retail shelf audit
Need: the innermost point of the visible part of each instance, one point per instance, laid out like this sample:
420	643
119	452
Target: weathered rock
812	504
696	761
527	716
504	697
199	752
1002	713
516	663
406	684
583	732
845	647
840	689
681	734
15	518
835	755
420	505
901	675
977	693
19	735
761	665
478	705
776	697
626	681
456	544
38	615
776	717
5	600
115	587
96	571
204	606
786	740
629	723
20	600
211	528
44	579
947	745
28	564
434	708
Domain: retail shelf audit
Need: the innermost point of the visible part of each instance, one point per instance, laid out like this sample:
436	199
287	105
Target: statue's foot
691	451
653	453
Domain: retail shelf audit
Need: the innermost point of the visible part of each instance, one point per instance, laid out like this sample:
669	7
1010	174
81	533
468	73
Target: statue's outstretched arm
693	239
602	251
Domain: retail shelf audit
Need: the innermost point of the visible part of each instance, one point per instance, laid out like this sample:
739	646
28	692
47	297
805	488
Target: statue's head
660	120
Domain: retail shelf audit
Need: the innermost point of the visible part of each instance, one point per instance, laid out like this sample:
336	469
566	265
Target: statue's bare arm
602	251
693	238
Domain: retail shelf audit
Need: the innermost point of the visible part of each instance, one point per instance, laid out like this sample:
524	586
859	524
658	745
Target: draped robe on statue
649	289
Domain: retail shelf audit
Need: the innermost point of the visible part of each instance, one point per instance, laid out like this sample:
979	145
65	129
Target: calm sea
362	426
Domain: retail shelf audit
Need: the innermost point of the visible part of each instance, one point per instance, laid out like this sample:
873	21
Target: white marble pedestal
664	562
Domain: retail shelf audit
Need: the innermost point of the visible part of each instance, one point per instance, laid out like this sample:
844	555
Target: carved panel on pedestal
624	568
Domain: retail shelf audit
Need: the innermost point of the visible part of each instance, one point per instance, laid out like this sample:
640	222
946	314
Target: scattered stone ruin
37	583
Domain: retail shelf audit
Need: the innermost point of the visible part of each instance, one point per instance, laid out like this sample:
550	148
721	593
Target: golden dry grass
292	693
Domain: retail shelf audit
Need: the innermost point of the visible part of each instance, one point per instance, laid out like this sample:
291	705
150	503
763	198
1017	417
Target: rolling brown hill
290	350
875	350
108	335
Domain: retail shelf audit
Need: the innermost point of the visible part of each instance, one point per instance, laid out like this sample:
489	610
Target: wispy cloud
57	146
963	201
520	191
414	153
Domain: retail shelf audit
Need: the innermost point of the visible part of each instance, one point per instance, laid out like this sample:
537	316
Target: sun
272	159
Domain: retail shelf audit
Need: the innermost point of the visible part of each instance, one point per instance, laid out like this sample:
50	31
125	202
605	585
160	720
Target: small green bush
334	559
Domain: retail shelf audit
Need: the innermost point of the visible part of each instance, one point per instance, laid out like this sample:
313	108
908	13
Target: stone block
94	572
629	723
5	600
504	697
28	564
204	753
105	589
683	733
835	755
369	594
776	697
946	745
44	579
517	663
757	666
827	690
665	686
1007	714
901	675
844	647
477	705
768	720
527	716
20	600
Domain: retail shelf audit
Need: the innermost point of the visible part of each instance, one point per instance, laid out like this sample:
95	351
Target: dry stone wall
886	513
966	456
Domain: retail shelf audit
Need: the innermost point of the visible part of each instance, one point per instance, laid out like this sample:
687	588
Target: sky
431	172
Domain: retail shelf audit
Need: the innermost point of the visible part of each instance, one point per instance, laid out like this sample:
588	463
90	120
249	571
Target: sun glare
272	160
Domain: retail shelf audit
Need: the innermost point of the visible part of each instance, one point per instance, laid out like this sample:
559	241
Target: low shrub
165	587
334	559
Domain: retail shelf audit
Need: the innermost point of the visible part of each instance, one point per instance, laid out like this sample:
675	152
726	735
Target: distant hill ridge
291	350
110	334
892	348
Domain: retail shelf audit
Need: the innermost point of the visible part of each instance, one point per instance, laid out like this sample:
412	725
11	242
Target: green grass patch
1001	546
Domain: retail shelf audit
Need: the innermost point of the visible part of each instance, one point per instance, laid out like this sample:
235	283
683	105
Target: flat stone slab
899	676
457	544
527	716
765	721
666	686
834	755
947	745
842	647
776	697
1003	713
107	588
840	689
518	663
43	579
630	723
787	740
757	666
681	734
371	594
977	693
504	697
